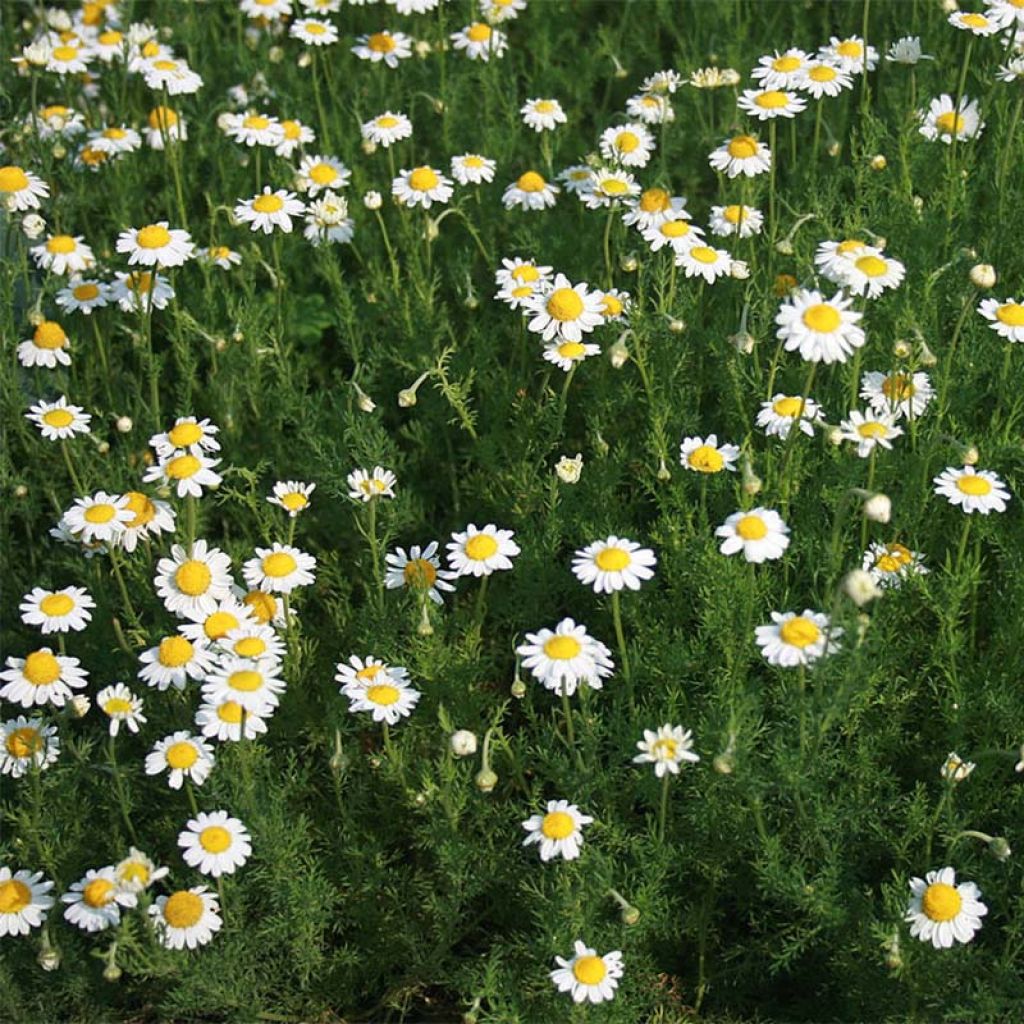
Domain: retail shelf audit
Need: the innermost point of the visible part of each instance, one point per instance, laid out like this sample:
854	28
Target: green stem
663	810
570	732
190	792
115	563
948	369
65	451
794	429
122	797
608	247
620	636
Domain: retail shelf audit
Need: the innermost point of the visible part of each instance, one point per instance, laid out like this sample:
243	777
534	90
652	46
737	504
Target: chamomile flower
386	129
974	490
890	564
110	45
389	47
69	59
26	743
1005	316
566	657
907	50
387	699
267	10
419	570
140	291
316	174
559	831
57	611
24	901
293	135
849	54
253	684
868	271
363	486
327	220
55	120
781	70
150	518
542	115
704	261
615	305
156	245
223	721
820	329
94	902
164	125
676	232
313	32
759	533
183	756
229	614
576	178
472	169
629	145
607	188
706	455
254	641
63	254
587	976
99	517
292	495
83	296
175	76
519	271
174	661
942	912
187	918
220	256
868	430
480	41
822	78
652	208
189	434
21	190
742	154
279	569
567	354
119	704
650	108
480	552
743	221
793	639
137	872
565	310
975	23
252	129
215	844
768	104
777	417
192	582
359	672
941	121
422	186
955	768
497	11
188	474
901	393
269	210
530	192
667	748
612	564
115	140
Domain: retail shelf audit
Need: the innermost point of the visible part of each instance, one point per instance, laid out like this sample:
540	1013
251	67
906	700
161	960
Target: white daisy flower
292	495
215	844
115	140
666	81
269	210
263	607
63	254
615	305
220	256
183	756
519	271
704	261
794	639
187	918
253	684
868	271
955	768
389	47
832	259
907	50
156	245
667	748
174	76
1006	317
164	125
559	831
587	976
386	129
481	552
530	192
119	704
899	393
652	208
566	310
565	657
174	661
612	564
229	614
780	70
575	178
940	121
317	174
422	186
973	490
69	59
1007	12
47	347
358	673
822	78
472	169
137	872
820	329
293	135
185	472
388	700
24	901
363	486
188	434
567	354
650	108
419	570
21	190
192	583
768	104
849	54
942	912
26	743
706	455
497	11
777	417
327	220
740	220
110	46
54	120
607	188
82	297
57	611
268	10
253	641
252	129
742	154
140	291
759	533
542	115
480	41
94	902
890	564
976	24
151	517
866	431
629	145
100	517
223	721
313	32
676	232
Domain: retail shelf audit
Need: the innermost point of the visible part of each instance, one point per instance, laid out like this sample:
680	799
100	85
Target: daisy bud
751	481
729	77
902	350
425	628
926	357
486	780
420	799
971	456
618	354
784	246
225	120
112	972
949	6
739	270
338	762
59	151
955	769
878	508
431	231
878	162
999	848
275	55
629	264
407	396
601	446
49	958
221	345
124	424
743	342
835	436
463	743
238	337
369	147
304	59
983	275
372	200
20	491
80	705
664	475
860	587
918	203
438	107
569	470
422	49
518	689
33	226
677	326
835	149
893	959
363	400
629	914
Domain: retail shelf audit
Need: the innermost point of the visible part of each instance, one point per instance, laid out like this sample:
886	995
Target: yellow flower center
799	632
562	648
292	129
972	20
971	483
165	65
706	459
734	214
655	200
531	181
98	893
65	53
92	157
611	305
215	839
314	28
370	672
256	122
522	291
752	528
773	99
589	970
144	510
174	651
182	755
544	106
423	179
267	203
56	604
85	292
787	406
322	174
387	121
849	48
381	42
822	73
153	237
899	387
230	712
101	513
181	435
478	32
57	418
151	49
24	742
250	647
872	266
219	252
15	896
279	564
162	117
703	254
558	825
262	604
294	500
786	63
895	557
60	244
134	871
572	350
481	546
110	38
382	694
849	245
612	559
13	179
665	749
564	304
140	282
614	186
41	668
941	902
117	706
872	428
183	909
626	142
193	577
949	123
675	229
419	574
1011	314
182	467
51	335
822	318
114	133
245	681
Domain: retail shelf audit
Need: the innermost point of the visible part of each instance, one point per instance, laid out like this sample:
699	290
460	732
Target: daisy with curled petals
219	256
776	418
57	421
587	976
742	154
667	748
652	208
677	233
174	661
480	552
480	41
183	756
57	611
191	583
140	291
566	355
768	104
820	329
253	684
559	831
907	51
542	115
151	517
269	210
265	608
386	129
890	564
292	495
1006	317
47	347
327	220
976	24
629	145
743	221
823	78
119	704
793	639
780	70
225	720
530	191
576	178
608	188
252	129
849	54
215	844
316	174
359	672
188	474
942	912
293	135
94	902
27	744
174	76
255	641
942	120
63	254
870	272
650	109
422	186
706	455
387	700
188	434
389	47
156	245
419	570
279	569
565	310
137	872
566	657
100	517
21	190
868	430
974	490
759	533
24	901
899	393
615	305
519	271
187	918
705	262
832	258
614	563
83	296
164	125
472	169
313	32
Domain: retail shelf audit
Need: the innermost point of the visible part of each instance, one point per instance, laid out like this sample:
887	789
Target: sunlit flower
797	639
565	657
974	490
587	976
94	902
941	912
759	533
559	832
183	756
667	748
613	564
119	704
57	611
706	455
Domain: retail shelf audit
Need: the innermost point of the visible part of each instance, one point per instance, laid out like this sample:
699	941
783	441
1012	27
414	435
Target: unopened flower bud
103	447
369	147
983	275
422	49
431	231
275	55
739	270
926	357
372	200
463	743
33	226
407	396
878	508
893	959
784	246
664	475
486	780
304	59
971	456
743	342
225	120
49	958
80	705
902	350
124	424
878	162
363	400
20	491
629	264
518	689
999	848
112	972
860	587
835	436
569	470
676	326
618	354
918	203
751	481
834	150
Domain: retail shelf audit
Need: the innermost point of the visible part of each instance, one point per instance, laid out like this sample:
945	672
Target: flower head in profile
420	571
